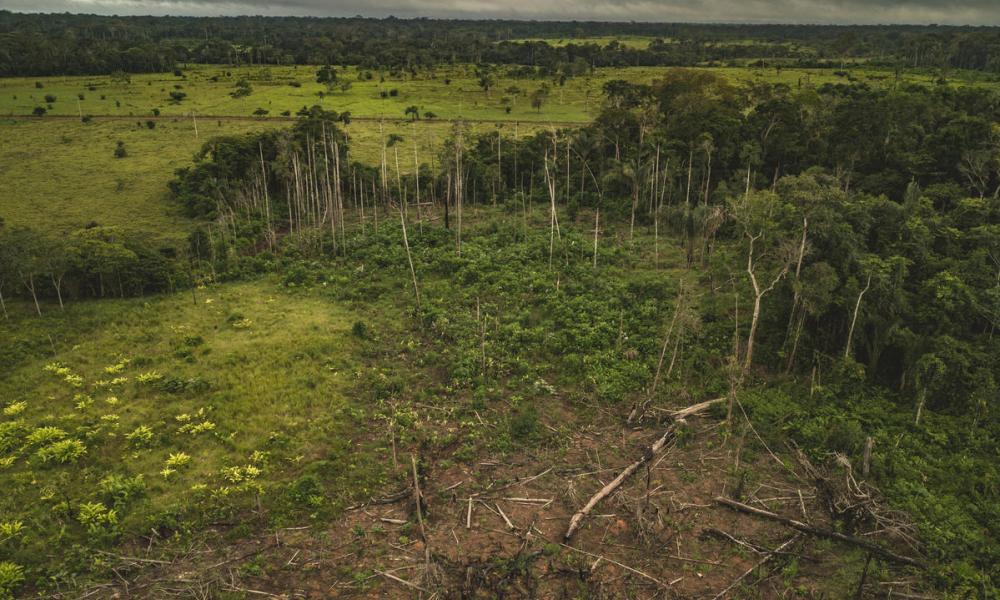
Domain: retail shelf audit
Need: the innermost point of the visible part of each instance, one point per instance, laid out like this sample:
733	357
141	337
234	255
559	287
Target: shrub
96	517
140	437
524	422
150	124
65	451
87	118
120	151
359	329
45	435
38	85
11	576
39	111
49	98
119	490
176	97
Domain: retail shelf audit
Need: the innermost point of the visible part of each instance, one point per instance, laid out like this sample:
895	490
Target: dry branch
651	452
833	535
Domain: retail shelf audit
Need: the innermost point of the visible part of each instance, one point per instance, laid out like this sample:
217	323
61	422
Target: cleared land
61	174
167	408
452	93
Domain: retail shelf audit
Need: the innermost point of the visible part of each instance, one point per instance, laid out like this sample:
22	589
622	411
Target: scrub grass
163	413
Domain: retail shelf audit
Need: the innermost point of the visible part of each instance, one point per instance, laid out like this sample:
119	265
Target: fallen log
652	451
826	533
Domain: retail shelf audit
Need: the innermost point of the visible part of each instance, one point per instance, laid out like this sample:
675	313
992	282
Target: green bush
11	576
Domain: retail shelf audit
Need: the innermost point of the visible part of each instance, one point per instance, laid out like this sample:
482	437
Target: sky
950	12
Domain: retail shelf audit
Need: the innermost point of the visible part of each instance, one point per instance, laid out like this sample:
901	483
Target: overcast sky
956	12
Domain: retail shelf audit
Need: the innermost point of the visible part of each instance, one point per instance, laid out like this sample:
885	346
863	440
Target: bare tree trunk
409	258
30	284
798	270
854	319
57	283
795	341
597	227
550	183
759	294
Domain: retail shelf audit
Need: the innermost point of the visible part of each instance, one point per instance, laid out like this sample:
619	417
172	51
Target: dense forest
87	44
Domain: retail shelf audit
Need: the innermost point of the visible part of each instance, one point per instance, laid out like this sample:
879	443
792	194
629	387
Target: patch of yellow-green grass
61	175
246	376
429	137
451	92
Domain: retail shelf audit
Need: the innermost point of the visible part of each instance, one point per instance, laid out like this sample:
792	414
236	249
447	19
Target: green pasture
60	175
156	411
447	93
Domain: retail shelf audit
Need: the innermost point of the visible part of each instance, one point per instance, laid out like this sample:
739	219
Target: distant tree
327	76
513	91
57	264
39	111
539	96
487	79
413	112
242	89
121	77
120	151
26	252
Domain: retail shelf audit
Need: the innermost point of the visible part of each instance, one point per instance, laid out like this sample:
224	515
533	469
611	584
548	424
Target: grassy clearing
62	175
449	93
163	412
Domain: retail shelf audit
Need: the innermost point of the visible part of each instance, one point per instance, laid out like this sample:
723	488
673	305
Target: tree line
65	44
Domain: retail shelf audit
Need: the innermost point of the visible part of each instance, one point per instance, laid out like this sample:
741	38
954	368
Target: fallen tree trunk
652	451
826	533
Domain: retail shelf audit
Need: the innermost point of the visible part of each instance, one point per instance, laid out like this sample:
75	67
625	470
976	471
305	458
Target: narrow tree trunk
57	283
31	287
854	319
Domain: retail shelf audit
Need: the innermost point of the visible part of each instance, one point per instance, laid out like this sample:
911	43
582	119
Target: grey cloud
958	12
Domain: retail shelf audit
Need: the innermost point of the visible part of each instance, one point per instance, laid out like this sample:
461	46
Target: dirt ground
495	529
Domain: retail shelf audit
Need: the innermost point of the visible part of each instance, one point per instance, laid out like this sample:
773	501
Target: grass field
151	408
61	175
450	93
